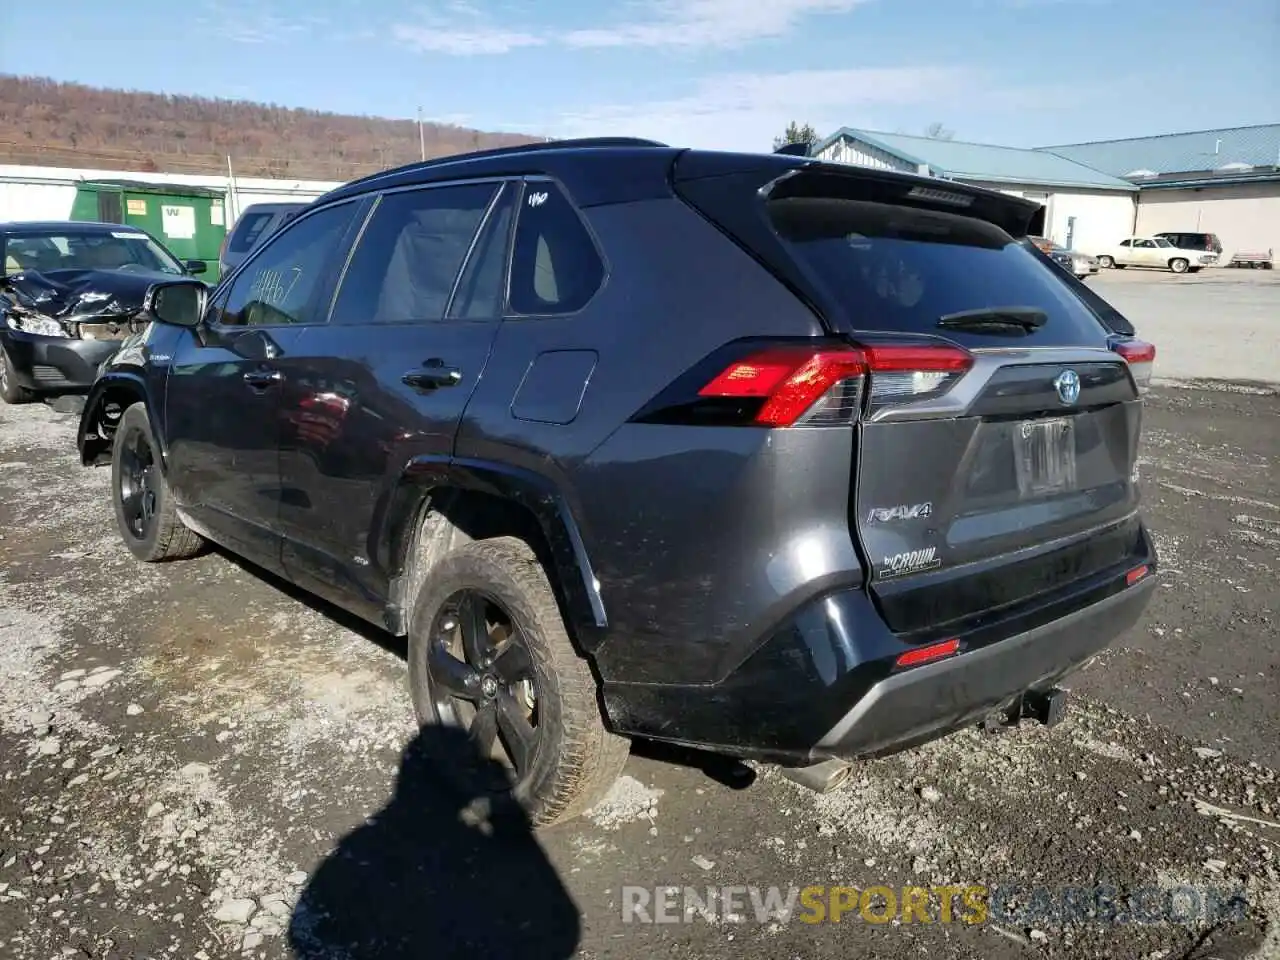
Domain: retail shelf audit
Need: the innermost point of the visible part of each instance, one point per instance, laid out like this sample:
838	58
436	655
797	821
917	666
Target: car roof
637	168
66	226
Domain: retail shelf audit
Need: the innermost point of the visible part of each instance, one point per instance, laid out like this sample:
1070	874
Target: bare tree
796	133
936	131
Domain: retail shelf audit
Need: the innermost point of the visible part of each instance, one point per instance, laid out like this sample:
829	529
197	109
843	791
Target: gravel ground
198	762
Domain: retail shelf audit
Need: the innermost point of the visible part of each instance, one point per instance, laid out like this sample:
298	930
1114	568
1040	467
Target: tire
10	390
149	525
1194	269
1179	265
575	759
1106	262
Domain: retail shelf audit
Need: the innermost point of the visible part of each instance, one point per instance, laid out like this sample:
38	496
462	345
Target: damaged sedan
69	294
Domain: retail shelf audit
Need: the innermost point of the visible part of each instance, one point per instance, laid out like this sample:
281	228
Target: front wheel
10	390
1106	262
1178	265
145	511
508	709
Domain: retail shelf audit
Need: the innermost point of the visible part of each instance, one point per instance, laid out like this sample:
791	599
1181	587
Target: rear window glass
900	269
249	231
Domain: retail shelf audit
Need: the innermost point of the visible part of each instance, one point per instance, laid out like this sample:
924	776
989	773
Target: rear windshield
248	232
900	269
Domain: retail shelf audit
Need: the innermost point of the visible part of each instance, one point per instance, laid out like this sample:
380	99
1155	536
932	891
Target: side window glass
406	262
555	267
1126	243
278	286
483	282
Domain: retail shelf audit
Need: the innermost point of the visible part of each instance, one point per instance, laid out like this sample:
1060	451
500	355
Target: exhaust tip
820	777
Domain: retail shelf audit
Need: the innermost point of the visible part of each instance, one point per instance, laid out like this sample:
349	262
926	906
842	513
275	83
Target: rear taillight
1141	358
790	382
823	385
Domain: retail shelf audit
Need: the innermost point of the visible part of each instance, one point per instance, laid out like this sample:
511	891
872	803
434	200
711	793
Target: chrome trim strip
986	362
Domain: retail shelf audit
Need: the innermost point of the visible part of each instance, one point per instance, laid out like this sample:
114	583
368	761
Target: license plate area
1044	456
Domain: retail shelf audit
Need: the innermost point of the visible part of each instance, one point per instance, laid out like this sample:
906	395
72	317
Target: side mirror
179	303
195	266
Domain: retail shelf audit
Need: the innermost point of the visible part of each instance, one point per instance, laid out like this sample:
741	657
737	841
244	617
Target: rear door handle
435	373
261	379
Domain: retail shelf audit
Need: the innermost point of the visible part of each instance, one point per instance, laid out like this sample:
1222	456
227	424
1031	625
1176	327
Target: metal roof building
1085	208
1231	155
1225	182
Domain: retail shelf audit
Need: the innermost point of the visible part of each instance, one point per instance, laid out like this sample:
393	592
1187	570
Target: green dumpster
190	221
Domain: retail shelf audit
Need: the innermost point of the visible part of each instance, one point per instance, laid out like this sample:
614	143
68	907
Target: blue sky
714	73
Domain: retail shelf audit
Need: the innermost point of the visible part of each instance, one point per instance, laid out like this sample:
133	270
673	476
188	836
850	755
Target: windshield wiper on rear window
999	321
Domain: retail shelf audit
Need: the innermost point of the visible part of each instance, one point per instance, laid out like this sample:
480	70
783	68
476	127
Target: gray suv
790	460
257	222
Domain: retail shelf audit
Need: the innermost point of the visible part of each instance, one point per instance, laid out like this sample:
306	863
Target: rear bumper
922	703
825	683
55	363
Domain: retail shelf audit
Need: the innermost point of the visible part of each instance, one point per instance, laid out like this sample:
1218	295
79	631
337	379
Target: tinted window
900	269
1126	243
555	267
279	285
248	231
483	282
408	258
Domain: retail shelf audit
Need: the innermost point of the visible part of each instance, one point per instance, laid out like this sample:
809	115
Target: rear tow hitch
820	777
1045	706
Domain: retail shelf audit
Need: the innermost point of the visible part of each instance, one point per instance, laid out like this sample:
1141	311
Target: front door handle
261	379
435	373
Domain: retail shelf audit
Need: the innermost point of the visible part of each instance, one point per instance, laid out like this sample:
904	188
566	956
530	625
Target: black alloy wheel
139	481
483	680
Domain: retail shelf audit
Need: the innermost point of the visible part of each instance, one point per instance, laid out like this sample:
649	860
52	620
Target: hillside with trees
46	123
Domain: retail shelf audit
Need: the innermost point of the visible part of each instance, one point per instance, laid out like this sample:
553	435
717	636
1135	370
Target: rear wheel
1106	262
489	658
145	511
1178	265
10	390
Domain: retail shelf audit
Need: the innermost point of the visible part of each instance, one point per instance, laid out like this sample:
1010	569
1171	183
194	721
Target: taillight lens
1141	358
791	381
820	386
907	373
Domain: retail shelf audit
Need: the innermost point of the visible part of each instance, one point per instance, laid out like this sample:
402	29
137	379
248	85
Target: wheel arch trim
91	447
536	494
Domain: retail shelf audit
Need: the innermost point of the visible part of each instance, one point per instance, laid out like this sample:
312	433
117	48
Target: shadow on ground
437	873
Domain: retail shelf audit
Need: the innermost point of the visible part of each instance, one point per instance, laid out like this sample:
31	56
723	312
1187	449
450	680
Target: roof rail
581	143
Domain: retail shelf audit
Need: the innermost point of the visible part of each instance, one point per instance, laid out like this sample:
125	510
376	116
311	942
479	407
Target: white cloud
459	29
707	23
746	111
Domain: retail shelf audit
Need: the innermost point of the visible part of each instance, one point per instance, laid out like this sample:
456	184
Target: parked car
1156	252
1080	265
796	461
255	224
69	293
1206	242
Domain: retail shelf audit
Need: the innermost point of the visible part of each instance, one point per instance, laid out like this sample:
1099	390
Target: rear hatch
998	427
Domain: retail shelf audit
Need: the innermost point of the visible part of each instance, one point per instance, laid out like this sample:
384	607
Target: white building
1085	209
1225	182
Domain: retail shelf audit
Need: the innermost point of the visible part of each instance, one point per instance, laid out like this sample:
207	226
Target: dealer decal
912	561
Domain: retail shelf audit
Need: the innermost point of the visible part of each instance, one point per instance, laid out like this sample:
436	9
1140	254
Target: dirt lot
197	762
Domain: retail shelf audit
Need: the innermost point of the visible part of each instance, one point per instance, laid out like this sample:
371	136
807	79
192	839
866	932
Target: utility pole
422	136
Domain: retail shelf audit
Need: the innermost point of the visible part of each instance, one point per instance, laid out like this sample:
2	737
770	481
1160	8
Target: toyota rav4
787	460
